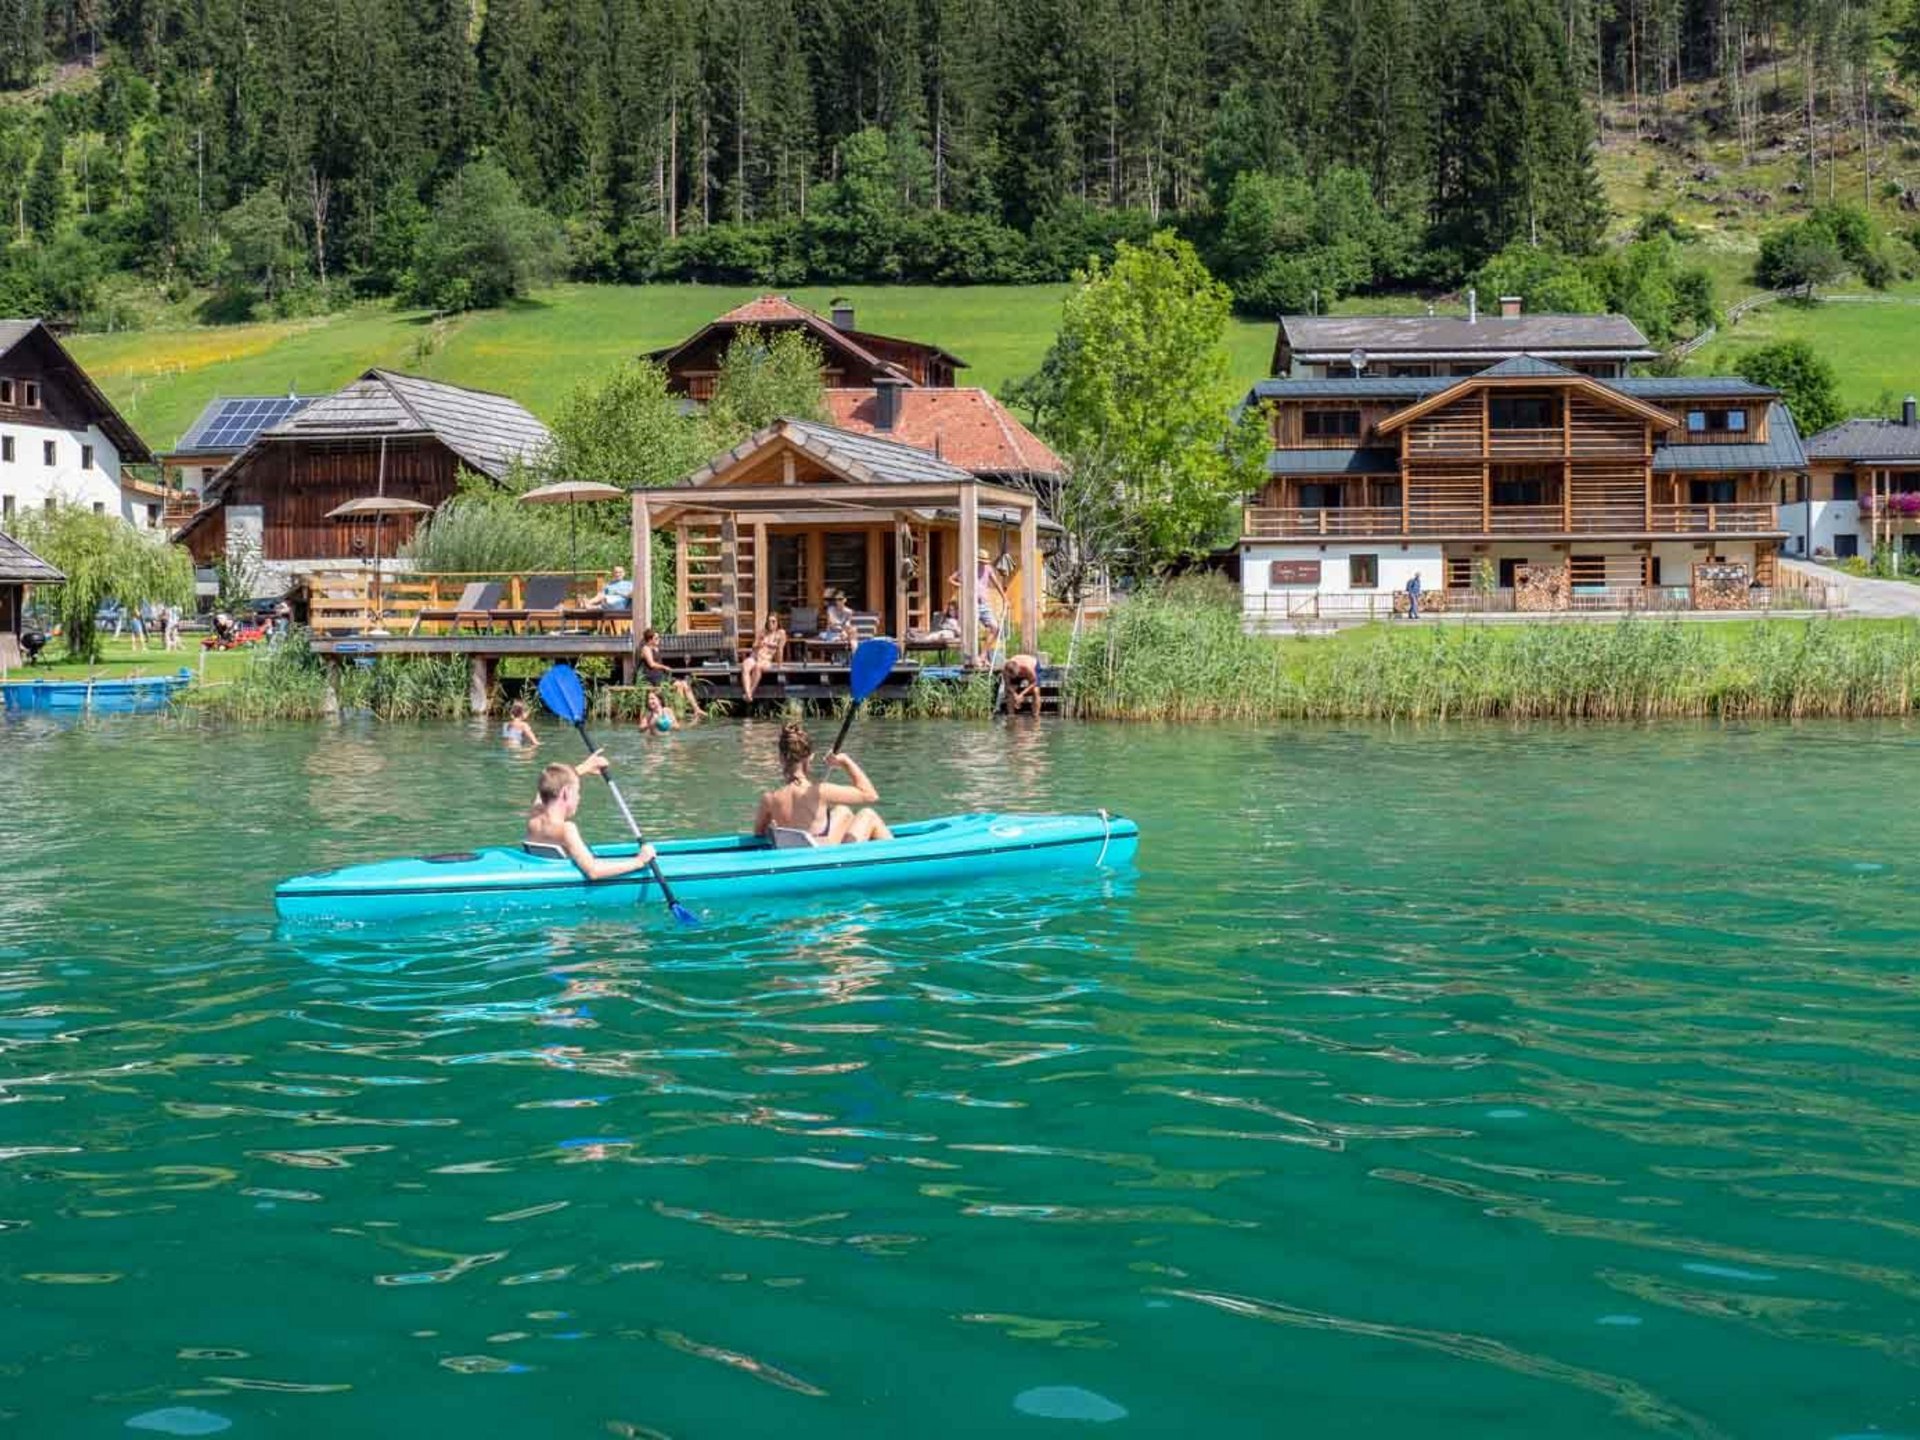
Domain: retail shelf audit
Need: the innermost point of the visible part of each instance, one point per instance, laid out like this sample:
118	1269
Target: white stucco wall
1829	518
1397	563
31	482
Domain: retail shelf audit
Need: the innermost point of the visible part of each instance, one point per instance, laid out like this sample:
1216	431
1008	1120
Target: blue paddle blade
685	916
873	660
560	692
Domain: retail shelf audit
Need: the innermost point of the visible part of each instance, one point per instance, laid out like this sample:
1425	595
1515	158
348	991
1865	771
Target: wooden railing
1451	517
1738	519
342	601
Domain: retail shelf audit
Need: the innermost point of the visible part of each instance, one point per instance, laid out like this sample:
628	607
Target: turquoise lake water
1456	1082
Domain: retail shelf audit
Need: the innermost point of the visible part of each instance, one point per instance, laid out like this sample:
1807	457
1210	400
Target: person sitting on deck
948	626
517	731
838	629
616	594
769	650
820	813
1020	683
550	826
656	672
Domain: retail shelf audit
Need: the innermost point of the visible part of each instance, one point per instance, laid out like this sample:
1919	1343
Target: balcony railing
1715	519
1267	522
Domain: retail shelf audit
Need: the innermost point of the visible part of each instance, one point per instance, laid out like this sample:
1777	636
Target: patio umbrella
376	506
571	493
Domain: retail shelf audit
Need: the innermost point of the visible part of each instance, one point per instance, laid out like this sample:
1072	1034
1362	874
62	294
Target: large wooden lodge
1504	479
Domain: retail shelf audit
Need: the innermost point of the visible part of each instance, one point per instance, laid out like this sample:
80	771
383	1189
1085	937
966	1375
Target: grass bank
1180	655
288	682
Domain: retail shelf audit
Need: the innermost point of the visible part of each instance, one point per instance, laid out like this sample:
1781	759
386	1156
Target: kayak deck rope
1106	828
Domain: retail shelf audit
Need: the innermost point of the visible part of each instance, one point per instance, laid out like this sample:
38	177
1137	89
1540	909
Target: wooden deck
808	682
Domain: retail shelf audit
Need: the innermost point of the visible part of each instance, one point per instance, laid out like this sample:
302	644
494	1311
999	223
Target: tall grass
289	682
1178	653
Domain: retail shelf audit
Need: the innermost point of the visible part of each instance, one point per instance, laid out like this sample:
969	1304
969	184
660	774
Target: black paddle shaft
666	890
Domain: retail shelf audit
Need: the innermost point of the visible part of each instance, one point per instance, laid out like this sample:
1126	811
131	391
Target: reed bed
289	682
1178	654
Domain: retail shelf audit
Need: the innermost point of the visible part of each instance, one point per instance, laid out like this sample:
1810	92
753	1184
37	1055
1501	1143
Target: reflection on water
1558	1081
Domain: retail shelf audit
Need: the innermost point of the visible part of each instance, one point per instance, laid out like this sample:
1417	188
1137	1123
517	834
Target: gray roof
1781	452
1337	335
1867	440
12	332
1686	387
1526	366
1333	462
19	565
487	431
873	460
1364	387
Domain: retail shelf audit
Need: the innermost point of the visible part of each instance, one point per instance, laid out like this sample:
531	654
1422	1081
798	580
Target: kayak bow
956	848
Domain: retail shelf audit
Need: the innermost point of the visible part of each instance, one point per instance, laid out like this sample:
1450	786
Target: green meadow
1873	344
540	348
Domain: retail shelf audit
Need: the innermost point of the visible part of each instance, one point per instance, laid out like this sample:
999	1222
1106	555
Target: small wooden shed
801	508
20	571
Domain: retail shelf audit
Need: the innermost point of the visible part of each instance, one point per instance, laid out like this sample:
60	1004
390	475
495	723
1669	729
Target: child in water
517	731
658	715
551	820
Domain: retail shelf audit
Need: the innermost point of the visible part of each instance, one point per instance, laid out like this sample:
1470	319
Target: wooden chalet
1861	490
20	571
802	508
385	433
851	356
1524	477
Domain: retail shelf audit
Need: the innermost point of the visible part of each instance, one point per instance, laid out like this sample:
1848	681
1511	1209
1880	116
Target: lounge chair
478	598
541	601
802	621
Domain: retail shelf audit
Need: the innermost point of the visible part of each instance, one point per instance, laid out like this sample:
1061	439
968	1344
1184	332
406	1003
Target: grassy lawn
1870	343
122	661
539	349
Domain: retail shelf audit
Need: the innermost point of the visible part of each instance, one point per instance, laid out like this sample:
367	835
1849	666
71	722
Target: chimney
1473	306
886	401
1510	307
1910	412
842	314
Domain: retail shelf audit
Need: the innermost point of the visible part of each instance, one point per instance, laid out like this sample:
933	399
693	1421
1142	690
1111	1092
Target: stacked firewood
1543	587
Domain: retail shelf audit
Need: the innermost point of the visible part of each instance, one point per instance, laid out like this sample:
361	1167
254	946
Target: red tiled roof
963	424
763	310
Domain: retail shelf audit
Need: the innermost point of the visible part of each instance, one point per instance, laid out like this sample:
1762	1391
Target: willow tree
103	558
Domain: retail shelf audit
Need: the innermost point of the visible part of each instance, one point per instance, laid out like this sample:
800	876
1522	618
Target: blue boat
136	696
711	872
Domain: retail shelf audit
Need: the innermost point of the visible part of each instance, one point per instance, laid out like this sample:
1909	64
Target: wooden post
816	567
875	600
1566	496
480	684
969	568
1486	498
730	580
760	599
642	569
902	557
1032	582
682	578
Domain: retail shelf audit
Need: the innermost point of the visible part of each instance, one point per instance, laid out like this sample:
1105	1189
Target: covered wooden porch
802	508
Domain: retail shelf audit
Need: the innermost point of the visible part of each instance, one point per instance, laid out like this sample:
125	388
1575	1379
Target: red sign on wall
1293	572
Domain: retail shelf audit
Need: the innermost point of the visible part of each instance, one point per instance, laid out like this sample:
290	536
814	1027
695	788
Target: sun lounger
478	598
541	599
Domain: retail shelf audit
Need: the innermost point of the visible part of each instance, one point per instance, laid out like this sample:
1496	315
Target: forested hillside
282	153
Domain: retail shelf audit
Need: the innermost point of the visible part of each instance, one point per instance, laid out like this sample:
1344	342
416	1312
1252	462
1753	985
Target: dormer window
1716	422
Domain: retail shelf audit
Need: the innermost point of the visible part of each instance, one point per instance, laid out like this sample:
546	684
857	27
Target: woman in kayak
550	824
821	811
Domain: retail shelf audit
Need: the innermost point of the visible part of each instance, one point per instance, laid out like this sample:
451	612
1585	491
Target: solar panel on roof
235	423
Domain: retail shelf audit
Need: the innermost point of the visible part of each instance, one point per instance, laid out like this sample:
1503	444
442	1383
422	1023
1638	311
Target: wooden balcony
1267	522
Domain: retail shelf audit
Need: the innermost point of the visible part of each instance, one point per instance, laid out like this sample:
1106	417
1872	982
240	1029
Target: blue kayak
710	872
